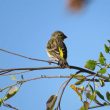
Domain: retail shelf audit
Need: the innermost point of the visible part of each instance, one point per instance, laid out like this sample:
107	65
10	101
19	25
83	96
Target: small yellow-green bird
56	48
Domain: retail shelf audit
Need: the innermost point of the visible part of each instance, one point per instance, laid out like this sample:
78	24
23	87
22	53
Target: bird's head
59	35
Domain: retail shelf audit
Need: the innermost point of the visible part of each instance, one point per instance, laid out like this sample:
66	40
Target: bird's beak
66	37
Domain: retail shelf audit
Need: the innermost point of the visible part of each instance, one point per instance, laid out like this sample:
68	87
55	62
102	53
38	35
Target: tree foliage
87	86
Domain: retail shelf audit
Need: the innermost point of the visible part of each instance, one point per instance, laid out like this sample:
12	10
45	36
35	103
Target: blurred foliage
77	5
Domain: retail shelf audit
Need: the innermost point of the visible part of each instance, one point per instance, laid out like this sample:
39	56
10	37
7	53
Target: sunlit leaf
91	96
82	108
1	102
80	77
91	64
80	82
107	49
99	94
102	58
102	70
85	106
108	96
102	83
11	92
77	91
51	102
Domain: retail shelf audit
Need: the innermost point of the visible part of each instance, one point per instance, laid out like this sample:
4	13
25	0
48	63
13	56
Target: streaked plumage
56	48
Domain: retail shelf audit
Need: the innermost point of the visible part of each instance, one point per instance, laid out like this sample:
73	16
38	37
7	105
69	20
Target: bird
56	48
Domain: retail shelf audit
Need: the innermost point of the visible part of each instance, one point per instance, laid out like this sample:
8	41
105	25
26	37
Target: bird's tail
63	63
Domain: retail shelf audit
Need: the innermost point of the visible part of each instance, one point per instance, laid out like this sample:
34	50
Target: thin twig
44	77
6	71
59	101
16	73
10	106
97	106
29	58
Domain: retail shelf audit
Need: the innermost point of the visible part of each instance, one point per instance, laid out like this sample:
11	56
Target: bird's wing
62	49
57	48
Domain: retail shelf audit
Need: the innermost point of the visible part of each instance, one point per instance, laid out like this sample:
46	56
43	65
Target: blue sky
25	28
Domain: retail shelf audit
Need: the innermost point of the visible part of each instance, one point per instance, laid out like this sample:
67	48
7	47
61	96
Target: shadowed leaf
97	102
99	94
51	102
102	83
91	88
107	49
108	96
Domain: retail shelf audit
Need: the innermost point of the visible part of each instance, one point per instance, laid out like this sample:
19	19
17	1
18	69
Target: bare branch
59	101
97	106
10	106
29	58
5	71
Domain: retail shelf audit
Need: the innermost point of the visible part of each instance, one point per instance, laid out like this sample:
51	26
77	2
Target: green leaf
105	103
51	102
11	92
80	82
91	88
77	90
91	96
85	106
102	83
109	41
101	58
82	108
108	96
91	64
1	102
79	77
102	70
107	49
99	94
97	102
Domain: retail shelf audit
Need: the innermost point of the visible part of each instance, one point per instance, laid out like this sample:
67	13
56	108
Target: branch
97	106
29	58
10	106
71	67
46	77
59	101
5	71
